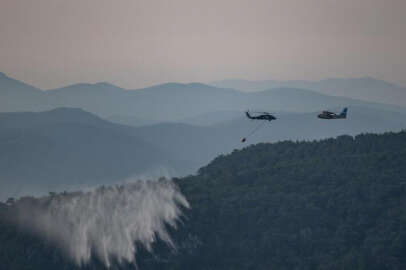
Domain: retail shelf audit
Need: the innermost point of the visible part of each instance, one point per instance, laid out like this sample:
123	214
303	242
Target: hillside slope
18	96
70	148
330	204
334	204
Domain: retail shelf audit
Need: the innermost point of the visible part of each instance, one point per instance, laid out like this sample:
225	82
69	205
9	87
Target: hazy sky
135	43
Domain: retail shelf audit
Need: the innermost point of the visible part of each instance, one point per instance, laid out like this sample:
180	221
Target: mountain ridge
365	88
63	148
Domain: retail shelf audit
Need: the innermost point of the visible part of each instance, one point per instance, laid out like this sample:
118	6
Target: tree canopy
330	204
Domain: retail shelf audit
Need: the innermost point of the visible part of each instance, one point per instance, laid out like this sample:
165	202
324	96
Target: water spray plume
107	223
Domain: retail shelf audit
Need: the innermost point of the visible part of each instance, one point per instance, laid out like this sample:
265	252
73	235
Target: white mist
107	222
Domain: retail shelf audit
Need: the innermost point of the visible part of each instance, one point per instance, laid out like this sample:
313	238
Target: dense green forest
330	204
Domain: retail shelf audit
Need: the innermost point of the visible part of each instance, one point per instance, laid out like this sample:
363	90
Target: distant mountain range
171	102
170	129
366	88
70	148
67	148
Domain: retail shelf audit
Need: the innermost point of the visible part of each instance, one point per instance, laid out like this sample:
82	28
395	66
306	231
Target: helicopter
264	116
261	116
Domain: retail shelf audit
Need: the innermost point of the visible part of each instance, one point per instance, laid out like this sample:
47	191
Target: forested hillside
330	204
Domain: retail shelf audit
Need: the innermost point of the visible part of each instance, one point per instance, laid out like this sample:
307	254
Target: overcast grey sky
136	43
